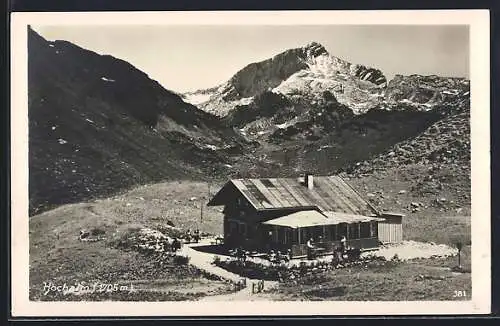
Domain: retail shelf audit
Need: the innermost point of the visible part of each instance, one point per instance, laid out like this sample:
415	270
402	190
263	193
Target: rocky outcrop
424	91
372	75
444	143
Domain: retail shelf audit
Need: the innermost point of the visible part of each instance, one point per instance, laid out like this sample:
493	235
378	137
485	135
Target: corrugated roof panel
281	196
369	208
239	184
259	196
355	199
244	190
345	194
324	191
316	198
300	190
341	202
275	202
285	194
287	183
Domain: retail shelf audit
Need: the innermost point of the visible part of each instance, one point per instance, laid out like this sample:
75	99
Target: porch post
298	234
324	233
359	230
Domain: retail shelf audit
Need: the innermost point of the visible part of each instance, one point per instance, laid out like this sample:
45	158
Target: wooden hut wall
390	230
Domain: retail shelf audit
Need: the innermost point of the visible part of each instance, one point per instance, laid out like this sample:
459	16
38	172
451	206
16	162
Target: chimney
308	181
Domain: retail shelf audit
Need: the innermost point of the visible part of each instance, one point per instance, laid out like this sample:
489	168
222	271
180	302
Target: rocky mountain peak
314	49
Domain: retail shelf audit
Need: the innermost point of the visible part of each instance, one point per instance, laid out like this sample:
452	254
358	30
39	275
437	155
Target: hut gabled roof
328	193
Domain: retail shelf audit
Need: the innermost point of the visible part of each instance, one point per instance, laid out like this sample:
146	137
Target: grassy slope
394	282
57	255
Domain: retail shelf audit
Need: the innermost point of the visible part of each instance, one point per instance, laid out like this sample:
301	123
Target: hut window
354	231
281	238
318	233
289	235
364	230
333	232
328	233
304	235
232	227
373	229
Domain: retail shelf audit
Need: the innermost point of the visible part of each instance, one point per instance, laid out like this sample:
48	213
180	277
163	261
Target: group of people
195	236
176	243
278	257
312	248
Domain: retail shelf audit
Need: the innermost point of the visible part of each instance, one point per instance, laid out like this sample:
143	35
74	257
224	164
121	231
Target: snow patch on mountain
196	98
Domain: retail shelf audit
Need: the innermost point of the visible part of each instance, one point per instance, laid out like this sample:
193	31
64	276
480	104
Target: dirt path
203	260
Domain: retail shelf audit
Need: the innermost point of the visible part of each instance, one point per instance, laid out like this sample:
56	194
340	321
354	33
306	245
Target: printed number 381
459	294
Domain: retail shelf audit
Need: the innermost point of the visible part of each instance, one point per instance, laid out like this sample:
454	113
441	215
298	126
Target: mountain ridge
268	74
98	125
310	70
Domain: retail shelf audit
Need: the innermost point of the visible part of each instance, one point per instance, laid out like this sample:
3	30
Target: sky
191	57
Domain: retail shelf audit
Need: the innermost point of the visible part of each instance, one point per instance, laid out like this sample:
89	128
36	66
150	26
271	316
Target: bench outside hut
284	213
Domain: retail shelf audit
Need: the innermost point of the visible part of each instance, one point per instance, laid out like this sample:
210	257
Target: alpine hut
284	213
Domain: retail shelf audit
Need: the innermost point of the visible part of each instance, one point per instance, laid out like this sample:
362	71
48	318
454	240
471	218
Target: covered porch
291	232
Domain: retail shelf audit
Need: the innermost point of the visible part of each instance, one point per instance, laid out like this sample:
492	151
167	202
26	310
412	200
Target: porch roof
311	218
339	217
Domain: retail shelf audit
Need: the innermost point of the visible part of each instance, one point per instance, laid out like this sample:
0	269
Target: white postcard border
478	20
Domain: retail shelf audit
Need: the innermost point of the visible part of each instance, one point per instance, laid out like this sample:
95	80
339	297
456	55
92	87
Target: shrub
395	258
181	260
97	231
254	270
126	240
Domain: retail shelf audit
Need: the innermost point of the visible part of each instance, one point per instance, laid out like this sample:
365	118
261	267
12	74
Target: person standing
310	248
343	242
